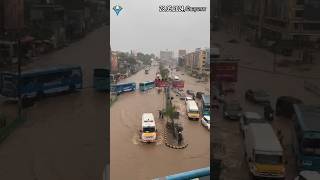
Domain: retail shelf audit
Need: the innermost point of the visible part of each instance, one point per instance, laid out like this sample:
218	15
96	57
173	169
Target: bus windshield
149	129
193	111
311	147
268	159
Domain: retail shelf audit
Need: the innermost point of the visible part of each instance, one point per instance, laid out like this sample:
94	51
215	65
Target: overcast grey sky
141	27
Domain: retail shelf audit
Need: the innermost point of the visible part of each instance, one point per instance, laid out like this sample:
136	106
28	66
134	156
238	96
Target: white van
263	151
148	128
192	110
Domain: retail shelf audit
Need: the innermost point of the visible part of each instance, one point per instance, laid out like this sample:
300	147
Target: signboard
178	84
225	71
160	83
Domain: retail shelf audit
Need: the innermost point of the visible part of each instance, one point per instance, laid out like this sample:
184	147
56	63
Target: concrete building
188	59
283	19
182	52
201	61
166	55
114	62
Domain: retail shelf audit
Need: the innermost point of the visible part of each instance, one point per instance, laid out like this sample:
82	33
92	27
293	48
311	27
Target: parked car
249	117
232	110
190	92
284	106
205	121
308	175
199	95
182	96
188	98
257	96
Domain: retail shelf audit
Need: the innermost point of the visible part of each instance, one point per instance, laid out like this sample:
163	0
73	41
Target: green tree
170	111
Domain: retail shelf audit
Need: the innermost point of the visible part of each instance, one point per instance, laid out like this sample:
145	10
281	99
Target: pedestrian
160	114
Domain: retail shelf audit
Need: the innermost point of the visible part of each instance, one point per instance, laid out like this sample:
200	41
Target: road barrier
171	145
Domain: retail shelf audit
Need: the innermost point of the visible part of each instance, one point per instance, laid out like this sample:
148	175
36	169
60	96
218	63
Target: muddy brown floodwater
131	159
64	137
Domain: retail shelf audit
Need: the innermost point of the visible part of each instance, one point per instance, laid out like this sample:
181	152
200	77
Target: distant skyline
142	28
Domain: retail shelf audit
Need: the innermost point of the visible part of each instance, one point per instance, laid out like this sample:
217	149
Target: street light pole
19	79
274	61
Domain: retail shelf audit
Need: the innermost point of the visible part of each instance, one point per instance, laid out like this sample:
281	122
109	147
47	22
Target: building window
299	13
300	2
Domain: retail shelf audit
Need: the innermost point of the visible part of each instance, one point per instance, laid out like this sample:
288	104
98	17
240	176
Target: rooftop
265	138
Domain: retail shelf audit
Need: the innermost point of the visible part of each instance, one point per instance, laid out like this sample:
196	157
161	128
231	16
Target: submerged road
131	159
64	137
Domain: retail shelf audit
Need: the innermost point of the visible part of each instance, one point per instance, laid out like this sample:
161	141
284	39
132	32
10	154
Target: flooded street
64	136
132	159
227	132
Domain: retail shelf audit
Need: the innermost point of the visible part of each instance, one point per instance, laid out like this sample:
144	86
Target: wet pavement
132	159
227	133
65	136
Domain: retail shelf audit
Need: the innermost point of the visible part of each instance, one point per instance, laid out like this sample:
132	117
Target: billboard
225	71
13	14
178	84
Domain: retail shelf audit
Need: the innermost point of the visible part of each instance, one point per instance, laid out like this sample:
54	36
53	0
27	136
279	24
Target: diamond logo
117	9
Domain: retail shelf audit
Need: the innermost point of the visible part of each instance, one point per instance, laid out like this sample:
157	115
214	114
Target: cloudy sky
141	27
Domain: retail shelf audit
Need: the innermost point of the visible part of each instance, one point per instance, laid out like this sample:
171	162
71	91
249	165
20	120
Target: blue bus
123	87
101	79
306	141
146	85
41	82
205	104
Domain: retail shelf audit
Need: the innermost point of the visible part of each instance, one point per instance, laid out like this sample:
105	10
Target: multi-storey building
283	19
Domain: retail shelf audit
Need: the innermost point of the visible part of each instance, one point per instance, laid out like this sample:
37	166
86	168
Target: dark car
284	106
190	92
257	96
199	95
232	110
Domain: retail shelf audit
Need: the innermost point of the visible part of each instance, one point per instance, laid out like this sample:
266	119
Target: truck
263	151
306	133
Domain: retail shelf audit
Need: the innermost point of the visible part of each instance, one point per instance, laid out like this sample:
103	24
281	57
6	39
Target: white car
205	121
188	98
308	175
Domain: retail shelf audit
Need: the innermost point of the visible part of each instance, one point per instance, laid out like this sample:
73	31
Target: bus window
311	147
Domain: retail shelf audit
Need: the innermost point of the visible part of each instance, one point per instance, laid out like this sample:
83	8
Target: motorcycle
268	116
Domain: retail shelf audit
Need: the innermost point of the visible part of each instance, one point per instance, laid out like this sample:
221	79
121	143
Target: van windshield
311	147
149	129
193	111
268	159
